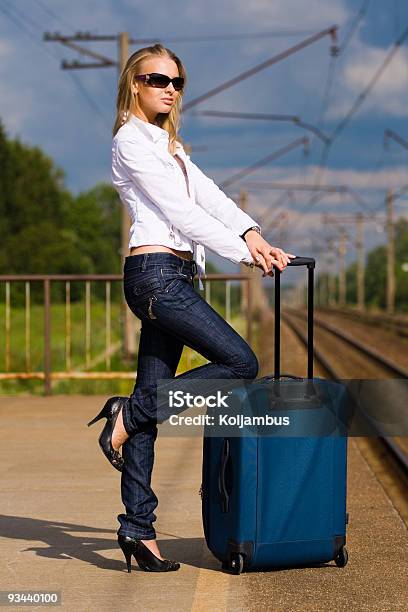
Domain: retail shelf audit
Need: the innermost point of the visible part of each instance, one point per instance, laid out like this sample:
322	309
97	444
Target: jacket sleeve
212	199
157	180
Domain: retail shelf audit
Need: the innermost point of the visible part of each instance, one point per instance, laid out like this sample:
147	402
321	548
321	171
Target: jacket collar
154	132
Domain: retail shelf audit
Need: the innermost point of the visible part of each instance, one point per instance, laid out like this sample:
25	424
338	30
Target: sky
70	113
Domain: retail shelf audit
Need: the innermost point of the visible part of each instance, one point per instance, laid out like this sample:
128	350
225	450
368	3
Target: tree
351	283
376	277
95	217
45	229
401	256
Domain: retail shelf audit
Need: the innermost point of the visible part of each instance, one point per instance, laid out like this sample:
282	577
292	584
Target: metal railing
46	373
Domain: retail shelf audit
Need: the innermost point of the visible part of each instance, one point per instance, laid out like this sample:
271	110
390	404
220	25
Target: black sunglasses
154	79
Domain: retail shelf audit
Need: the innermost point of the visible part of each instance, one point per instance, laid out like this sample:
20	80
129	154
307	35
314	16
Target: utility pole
342	268
331	290
260	301
358	219
321	292
243	204
390	254
360	261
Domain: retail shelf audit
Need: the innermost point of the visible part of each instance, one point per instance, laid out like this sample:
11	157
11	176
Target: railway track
294	318
398	324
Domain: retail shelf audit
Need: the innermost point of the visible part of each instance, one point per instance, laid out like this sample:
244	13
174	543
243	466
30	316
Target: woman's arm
212	199
156	179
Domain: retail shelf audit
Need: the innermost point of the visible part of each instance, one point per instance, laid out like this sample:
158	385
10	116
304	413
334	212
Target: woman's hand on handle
265	255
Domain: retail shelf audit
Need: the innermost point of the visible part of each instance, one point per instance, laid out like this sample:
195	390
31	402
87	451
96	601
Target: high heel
110	411
146	560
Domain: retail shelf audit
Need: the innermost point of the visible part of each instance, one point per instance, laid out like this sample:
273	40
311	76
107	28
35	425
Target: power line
267	117
333	58
15	21
329	85
221	37
353	109
361	13
247	144
265	160
69	42
327	90
23	16
51	13
269	62
330	82
23	27
333	62
90	101
87	36
367	90
392	134
281	186
103	61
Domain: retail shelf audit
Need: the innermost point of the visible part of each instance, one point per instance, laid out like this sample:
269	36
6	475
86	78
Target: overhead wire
353	109
221	37
339	52
52	14
367	89
90	100
329	82
22	24
333	62
354	25
331	75
24	16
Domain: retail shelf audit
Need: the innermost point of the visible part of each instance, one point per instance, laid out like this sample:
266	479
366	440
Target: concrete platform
59	503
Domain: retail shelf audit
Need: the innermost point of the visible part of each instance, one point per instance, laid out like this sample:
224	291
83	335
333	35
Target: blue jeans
159	290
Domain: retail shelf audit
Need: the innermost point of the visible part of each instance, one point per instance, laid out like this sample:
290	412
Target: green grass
78	348
189	359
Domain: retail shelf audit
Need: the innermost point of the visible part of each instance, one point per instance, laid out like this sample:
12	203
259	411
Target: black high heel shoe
146	560
110	411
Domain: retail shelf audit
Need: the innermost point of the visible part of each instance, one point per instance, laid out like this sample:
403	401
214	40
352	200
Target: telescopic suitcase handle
303	261
310	263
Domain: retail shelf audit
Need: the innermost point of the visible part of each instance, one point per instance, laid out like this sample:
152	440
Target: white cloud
279	14
370	180
302	221
13	113
314	14
388	96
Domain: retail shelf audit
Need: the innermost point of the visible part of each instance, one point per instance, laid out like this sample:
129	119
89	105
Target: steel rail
397	453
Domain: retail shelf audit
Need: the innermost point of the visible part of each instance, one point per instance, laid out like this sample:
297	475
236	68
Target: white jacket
151	184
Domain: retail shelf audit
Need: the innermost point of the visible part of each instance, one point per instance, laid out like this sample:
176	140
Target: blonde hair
126	101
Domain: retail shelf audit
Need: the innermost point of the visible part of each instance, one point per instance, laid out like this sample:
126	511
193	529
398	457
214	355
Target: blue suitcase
276	501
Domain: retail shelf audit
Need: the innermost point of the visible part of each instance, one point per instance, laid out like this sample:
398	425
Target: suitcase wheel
237	563
342	557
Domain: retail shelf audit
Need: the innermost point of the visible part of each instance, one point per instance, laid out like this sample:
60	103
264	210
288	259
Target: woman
175	210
